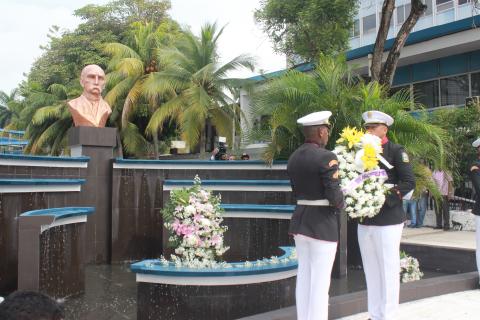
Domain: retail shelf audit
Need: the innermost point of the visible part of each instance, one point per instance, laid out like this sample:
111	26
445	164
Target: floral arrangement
362	180
409	268
274	260
193	218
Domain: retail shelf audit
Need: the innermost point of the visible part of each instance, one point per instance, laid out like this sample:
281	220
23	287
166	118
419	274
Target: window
369	23
429	9
454	90
355	29
426	93
475	78
443	5
460	2
402	13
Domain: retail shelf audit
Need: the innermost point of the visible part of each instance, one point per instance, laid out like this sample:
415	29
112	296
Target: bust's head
92	80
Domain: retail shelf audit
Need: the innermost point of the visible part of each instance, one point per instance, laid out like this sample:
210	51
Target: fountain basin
236	290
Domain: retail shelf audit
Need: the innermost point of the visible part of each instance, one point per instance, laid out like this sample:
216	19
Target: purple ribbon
353	184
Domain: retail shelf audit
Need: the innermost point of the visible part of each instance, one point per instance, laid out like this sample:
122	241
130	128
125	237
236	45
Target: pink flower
176	224
216	239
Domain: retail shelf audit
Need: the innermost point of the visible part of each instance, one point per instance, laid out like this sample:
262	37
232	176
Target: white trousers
380	249
315	262
477	233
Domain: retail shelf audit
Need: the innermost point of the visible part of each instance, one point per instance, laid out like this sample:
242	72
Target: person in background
422	208
444	182
30	305
245	156
410	207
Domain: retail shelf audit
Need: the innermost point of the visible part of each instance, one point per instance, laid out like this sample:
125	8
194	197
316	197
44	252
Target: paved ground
439	238
459	306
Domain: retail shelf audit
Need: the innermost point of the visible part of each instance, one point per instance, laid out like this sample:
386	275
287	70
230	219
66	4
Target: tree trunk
202	140
155	145
387	11
388	70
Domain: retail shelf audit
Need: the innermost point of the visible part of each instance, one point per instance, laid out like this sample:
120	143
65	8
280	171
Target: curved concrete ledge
43	161
61	216
48	257
258	211
232	185
198	164
40	185
229	293
234	273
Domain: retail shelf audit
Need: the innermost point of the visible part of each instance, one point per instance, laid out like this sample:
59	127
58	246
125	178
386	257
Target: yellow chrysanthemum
351	136
369	158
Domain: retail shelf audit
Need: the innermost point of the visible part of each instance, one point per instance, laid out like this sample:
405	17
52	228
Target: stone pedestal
98	144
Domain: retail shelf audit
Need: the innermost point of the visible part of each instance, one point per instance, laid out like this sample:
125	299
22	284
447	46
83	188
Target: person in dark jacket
475	176
379	237
313	173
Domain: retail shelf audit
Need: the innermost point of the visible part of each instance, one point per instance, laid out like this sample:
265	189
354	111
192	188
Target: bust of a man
90	110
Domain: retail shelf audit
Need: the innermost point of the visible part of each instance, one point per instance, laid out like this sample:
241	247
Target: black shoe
446	228
437	227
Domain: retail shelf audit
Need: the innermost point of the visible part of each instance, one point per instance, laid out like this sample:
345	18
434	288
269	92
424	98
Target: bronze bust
90	110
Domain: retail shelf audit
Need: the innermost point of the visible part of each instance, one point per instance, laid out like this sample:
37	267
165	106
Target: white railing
440	14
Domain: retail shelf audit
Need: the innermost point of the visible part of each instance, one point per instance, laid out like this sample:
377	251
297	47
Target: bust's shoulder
77	102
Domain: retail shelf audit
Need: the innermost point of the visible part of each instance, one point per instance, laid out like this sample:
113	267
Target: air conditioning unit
472	100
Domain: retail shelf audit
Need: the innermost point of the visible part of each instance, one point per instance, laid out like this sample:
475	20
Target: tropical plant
463	127
130	66
50	120
307	27
196	88
10	108
331	86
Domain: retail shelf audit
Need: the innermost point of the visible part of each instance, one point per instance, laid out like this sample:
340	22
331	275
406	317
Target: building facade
440	63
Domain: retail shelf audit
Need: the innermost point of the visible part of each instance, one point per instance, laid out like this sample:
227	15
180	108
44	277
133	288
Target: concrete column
98	144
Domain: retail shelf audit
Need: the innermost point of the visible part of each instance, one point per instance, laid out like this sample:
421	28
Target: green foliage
131	65
307	27
463	127
194	86
332	87
49	120
10	109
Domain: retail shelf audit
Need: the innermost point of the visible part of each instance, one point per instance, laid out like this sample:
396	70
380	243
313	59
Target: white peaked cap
315	119
476	143
375	116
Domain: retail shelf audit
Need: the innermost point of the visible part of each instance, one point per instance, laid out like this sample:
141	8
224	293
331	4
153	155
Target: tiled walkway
455	306
439	238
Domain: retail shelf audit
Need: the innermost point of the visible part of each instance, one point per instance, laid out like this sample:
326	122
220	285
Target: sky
24	27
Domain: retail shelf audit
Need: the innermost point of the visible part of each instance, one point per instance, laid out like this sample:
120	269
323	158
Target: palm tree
10	108
130	66
195	87
50	120
331	86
